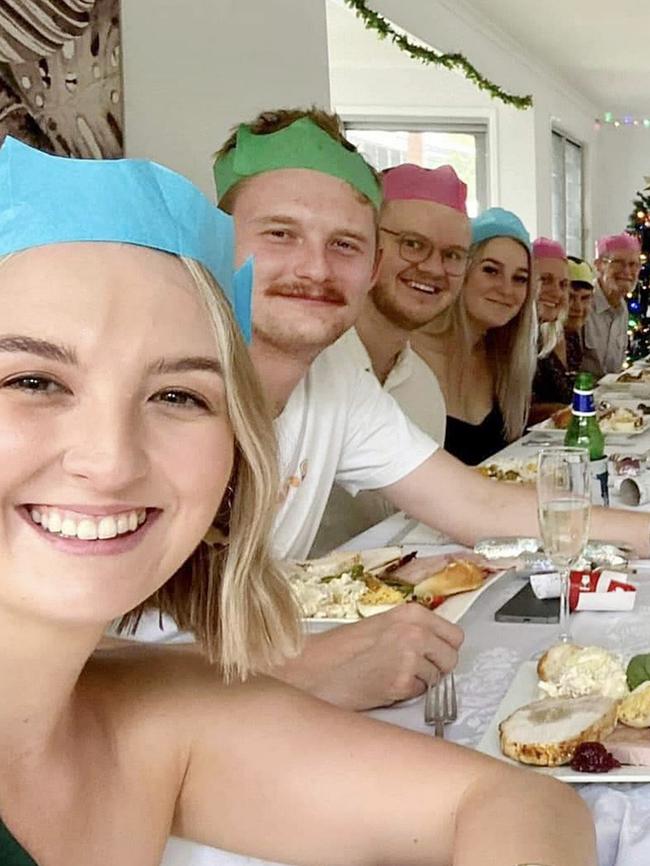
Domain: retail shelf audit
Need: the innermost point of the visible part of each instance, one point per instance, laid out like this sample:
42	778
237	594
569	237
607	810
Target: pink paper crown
612	243
545	248
440	185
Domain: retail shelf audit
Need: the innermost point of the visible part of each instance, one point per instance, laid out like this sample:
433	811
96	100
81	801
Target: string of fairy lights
625	120
638	301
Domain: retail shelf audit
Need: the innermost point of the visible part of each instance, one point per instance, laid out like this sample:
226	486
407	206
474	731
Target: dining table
491	655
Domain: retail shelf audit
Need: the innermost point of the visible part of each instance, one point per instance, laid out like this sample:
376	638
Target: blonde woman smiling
552	385
483	349
137	469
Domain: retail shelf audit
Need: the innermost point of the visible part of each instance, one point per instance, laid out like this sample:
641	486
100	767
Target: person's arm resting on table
449	496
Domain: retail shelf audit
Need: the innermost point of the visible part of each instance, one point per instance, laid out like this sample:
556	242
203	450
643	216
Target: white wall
372	77
623	163
193	69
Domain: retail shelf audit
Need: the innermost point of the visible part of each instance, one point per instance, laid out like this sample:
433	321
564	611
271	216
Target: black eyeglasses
414	248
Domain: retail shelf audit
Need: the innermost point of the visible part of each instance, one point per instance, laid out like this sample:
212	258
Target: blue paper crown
51	199
495	222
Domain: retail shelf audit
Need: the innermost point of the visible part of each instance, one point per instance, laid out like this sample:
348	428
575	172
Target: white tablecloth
490	656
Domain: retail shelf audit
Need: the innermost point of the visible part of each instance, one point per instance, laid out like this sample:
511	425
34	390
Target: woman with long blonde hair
137	470
483	349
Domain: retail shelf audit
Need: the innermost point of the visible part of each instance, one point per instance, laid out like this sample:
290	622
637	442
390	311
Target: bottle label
583	403
599	482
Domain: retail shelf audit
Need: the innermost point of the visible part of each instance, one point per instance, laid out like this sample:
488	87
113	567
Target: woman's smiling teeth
70	524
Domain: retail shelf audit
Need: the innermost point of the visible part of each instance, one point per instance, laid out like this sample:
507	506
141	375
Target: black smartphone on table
524	606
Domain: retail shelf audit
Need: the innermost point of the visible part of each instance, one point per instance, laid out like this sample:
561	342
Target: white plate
523	690
452	609
611	381
550	429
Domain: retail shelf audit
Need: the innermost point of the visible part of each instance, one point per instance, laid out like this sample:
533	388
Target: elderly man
605	337
305	206
424	236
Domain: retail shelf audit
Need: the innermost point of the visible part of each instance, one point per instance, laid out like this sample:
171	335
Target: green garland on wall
374	21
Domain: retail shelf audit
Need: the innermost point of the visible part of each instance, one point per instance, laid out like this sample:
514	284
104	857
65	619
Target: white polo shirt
414	386
605	336
339	426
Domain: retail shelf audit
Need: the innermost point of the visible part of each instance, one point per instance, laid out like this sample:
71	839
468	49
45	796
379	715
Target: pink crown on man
440	185
545	248
611	244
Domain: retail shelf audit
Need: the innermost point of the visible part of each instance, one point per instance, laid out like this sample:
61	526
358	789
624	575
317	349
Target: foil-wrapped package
503	548
532	559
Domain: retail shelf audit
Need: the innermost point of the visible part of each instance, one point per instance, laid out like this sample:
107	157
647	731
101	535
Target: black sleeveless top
553	382
11	853
473	443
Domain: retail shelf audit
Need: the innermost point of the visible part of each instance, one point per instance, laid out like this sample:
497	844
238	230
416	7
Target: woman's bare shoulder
147	683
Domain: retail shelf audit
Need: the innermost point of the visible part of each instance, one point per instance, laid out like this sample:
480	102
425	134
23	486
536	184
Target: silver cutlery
441	704
403	531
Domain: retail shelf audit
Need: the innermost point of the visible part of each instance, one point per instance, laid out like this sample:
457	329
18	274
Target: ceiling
600	47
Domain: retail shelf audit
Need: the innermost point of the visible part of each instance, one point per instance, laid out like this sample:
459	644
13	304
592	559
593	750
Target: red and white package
601	590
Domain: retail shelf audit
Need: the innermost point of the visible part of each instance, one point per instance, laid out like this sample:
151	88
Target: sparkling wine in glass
563	499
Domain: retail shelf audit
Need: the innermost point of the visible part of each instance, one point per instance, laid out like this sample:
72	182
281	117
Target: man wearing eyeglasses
424	236
617	266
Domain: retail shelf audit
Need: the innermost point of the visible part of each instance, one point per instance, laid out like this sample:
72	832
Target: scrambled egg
589	671
382	595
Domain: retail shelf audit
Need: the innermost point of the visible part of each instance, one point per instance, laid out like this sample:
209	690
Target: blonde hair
232	595
550	334
511	350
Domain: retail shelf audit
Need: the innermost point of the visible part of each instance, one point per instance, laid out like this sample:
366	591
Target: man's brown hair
275	120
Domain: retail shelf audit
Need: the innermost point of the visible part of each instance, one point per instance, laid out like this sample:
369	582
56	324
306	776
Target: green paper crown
303	144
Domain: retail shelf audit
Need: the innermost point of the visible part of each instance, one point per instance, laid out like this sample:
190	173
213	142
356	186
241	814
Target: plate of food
635	380
510	469
579	714
346	586
622	420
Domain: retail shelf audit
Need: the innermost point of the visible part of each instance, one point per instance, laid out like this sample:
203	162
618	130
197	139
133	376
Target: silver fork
441	704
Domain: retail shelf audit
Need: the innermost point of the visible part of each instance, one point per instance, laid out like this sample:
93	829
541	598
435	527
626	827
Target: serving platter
523	690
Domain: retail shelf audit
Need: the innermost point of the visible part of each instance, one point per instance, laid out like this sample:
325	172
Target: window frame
481	126
573	141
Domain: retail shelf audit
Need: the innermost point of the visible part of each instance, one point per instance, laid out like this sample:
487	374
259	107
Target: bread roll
553	662
460	576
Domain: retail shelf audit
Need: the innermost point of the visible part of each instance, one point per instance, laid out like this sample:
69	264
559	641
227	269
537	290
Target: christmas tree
638	301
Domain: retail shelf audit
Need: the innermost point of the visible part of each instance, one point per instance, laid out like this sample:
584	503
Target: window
462	145
567	194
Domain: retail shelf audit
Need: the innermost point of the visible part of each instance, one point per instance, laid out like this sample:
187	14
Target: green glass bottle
584	432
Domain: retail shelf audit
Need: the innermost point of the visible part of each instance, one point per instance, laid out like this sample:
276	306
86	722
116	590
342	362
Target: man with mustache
605	337
424	236
306	206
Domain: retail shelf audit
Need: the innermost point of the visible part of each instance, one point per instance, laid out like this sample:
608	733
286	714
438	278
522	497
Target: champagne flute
564	506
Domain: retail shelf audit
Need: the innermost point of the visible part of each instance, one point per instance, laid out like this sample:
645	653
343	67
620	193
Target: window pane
558	202
573	174
384	148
